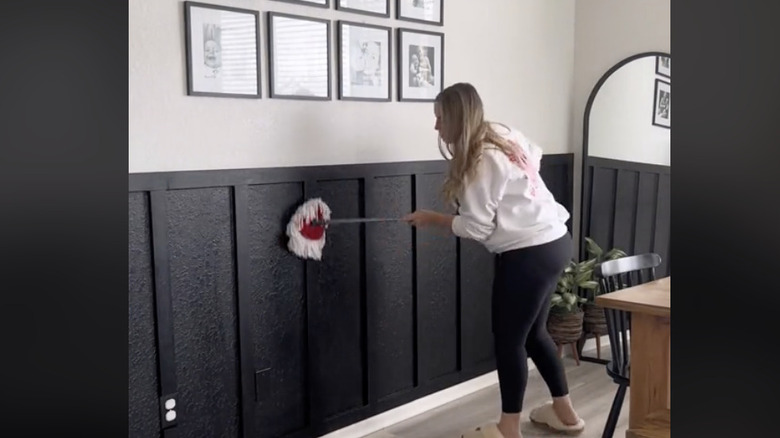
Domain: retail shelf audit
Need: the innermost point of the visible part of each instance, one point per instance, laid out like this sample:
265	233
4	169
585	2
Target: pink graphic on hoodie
521	159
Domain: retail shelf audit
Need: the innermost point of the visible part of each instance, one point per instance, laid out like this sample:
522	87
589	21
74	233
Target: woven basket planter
565	328
595	321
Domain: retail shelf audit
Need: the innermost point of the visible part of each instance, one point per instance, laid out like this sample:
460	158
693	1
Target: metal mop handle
354	220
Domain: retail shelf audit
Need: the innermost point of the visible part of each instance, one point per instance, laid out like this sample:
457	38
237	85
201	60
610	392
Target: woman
503	203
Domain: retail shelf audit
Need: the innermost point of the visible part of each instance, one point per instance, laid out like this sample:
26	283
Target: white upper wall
608	31
518	53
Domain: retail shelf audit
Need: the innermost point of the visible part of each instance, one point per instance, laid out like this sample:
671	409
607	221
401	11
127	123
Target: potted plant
565	320
595	321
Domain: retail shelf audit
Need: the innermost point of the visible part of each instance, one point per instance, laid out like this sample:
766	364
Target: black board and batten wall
253	342
628	206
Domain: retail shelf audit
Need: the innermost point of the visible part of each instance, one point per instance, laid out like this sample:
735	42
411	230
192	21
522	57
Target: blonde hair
463	118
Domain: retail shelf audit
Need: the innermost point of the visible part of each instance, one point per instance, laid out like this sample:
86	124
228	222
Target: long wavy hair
467	133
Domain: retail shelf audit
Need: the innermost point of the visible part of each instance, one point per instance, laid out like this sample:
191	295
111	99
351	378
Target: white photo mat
371	7
426	11
364	61
299	57
318	3
421	64
222	51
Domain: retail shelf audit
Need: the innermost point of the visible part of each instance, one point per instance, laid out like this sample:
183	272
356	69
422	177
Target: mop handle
355	220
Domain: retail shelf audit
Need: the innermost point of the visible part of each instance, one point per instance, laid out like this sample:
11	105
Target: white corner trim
432	401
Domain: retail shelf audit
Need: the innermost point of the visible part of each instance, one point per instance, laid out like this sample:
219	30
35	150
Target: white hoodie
507	206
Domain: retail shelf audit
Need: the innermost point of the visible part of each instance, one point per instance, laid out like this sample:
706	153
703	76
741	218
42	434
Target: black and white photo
222	51
662	105
421	11
379	8
663	66
364	61
421	72
299	57
420	64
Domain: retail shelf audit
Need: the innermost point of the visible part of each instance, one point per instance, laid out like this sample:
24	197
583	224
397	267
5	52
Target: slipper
490	431
545	415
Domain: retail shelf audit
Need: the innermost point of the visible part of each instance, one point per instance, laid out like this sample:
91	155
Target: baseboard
433	401
417	407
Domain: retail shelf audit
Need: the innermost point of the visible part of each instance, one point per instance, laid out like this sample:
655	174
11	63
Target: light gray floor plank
592	392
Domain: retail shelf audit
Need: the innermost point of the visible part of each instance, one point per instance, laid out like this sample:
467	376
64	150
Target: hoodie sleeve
476	215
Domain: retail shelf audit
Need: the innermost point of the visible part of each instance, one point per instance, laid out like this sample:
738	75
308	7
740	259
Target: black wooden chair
614	275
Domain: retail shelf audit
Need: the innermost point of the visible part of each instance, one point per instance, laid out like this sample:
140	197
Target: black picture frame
402	5
404	67
342	95
354	10
197	86
661	87
272	77
326	5
662	70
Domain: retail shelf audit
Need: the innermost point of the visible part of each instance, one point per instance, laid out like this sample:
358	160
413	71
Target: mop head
307	239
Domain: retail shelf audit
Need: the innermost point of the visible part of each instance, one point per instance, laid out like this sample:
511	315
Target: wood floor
592	392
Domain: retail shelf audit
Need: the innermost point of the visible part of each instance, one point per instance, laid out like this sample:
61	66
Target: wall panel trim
462	324
166	353
249	394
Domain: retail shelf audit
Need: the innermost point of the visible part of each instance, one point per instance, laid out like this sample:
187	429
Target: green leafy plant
575	276
598	255
579	276
595	252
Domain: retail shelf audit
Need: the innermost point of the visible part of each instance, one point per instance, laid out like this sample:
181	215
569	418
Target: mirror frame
584	165
585	131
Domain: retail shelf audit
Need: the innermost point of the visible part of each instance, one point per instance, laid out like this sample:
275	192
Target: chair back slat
614	275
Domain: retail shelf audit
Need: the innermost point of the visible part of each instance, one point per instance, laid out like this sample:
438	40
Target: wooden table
650	307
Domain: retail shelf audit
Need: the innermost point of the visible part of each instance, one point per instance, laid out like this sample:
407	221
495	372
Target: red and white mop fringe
306	239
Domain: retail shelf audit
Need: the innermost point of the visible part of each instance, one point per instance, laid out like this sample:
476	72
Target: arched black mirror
626	166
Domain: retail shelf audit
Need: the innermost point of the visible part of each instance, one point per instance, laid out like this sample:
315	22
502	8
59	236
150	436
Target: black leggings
524	282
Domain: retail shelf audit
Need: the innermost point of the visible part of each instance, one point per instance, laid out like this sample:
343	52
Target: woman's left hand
426	218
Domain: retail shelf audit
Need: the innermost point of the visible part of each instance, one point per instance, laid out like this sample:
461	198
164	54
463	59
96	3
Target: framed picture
379	8
663	66
223	51
298	57
420	65
317	3
662	104
421	11
364	61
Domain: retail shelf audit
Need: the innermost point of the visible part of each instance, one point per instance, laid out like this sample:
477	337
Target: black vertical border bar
312	273
244	311
415	288
166	352
370	209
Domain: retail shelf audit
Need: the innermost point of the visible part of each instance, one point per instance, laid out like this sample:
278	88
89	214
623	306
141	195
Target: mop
306	229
